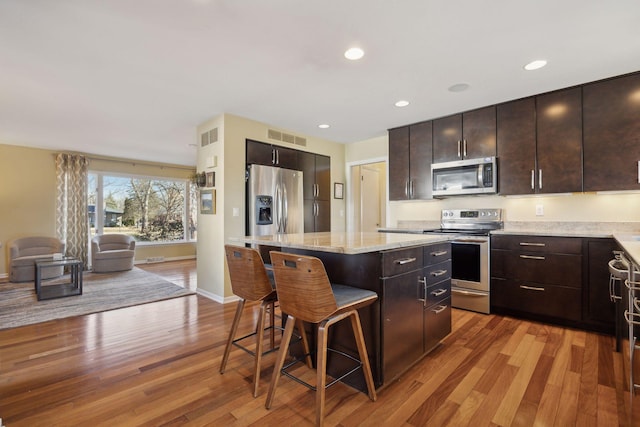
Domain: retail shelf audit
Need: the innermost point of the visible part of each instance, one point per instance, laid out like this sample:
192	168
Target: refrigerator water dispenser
263	210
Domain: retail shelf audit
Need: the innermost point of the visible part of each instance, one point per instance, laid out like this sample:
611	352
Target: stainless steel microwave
460	177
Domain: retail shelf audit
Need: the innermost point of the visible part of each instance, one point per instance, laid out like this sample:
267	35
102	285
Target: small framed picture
338	190
208	202
211	179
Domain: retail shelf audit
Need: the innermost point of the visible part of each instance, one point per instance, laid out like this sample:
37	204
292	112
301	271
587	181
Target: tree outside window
149	209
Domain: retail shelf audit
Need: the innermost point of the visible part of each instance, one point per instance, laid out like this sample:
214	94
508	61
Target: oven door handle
468	293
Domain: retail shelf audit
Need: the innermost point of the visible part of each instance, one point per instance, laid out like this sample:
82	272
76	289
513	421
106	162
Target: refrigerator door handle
277	205
285	209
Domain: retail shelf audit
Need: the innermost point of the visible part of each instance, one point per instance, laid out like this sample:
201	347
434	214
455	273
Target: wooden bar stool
251	281
305	293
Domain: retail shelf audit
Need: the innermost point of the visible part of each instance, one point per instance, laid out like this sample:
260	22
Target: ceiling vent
286	137
209	137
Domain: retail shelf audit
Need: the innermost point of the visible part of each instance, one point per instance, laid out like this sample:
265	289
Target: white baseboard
164	259
217	298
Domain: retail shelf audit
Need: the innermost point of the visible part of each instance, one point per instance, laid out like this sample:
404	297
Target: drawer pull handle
541	245
541	258
439	309
438	273
532	288
404	261
439	292
439	253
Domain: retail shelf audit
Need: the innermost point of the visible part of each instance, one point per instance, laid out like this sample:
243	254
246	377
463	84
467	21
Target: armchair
24	252
112	252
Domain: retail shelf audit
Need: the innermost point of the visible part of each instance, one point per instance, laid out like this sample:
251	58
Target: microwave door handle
480	176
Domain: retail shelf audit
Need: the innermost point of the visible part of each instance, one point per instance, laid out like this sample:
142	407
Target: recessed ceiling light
534	65
323	126
354	53
402	103
459	87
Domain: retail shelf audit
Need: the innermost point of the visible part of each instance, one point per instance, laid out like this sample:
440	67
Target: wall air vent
209	137
286	137
213	135
204	139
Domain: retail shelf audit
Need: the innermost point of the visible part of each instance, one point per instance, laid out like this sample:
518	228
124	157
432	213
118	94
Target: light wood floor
157	364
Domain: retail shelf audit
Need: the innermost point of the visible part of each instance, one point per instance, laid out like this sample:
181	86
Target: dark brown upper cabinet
516	146
539	144
410	162
260	153
611	110
559	141
468	135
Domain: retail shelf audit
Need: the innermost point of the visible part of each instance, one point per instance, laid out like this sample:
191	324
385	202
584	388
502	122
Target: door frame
350	193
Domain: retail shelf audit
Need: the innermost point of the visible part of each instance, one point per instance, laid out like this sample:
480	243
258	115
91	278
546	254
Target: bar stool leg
305	343
321	367
282	354
259	346
362	351
272	319
232	334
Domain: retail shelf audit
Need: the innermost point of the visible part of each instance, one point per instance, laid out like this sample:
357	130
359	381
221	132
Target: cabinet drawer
401	261
554	269
437	323
437	253
545	300
438	292
438	272
559	245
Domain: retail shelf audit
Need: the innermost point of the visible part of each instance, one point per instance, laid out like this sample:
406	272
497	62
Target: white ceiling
133	78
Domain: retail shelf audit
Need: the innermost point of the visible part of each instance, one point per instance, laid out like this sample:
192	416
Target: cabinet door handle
438	273
638	171
459	143
439	309
411	189
406	188
464	148
316	190
439	253
541	258
423	282
404	261
540	179
439	292
542	245
532	288
277	157
533	179
273	156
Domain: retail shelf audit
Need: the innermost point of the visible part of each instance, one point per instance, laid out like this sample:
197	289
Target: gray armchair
24	252
112	252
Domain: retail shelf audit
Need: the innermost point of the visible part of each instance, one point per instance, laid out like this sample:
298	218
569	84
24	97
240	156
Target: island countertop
342	242
630	244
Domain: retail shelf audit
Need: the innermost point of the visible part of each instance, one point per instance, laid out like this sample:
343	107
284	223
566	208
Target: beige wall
585	207
214	230
27	197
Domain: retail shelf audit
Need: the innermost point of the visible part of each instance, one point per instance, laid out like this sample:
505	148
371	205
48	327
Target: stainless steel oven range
470	254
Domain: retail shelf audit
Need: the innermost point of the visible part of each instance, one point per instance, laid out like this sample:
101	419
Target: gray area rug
19	304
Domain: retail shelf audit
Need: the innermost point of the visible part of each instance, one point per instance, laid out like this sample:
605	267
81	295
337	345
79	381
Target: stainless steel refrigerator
275	201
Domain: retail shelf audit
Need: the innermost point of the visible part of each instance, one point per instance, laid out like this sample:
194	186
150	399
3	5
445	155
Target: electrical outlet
539	210
236	211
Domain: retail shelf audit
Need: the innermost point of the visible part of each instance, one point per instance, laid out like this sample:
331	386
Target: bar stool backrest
248	275
304	290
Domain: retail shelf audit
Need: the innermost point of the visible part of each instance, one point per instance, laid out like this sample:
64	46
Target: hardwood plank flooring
157	365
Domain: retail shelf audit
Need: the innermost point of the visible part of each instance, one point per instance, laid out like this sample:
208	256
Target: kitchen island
411	275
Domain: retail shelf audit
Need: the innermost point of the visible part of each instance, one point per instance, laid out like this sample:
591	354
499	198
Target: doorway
368	201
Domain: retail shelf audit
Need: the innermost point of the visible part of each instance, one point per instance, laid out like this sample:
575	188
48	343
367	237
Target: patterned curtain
72	225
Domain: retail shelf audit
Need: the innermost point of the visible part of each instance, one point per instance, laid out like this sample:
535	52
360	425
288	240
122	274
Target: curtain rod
132	161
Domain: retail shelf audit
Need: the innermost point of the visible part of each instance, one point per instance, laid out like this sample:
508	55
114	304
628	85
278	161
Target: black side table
57	289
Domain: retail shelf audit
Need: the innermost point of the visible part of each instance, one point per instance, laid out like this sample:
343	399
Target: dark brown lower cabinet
561	280
411	316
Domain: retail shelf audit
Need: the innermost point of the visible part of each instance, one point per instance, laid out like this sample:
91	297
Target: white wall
214	230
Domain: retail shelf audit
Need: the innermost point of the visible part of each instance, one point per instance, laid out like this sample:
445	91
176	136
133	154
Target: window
151	209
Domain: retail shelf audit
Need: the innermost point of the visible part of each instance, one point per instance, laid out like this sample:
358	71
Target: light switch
236	211
539	210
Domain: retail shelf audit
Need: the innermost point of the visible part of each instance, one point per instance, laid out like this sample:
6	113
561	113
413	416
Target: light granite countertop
342	242
630	244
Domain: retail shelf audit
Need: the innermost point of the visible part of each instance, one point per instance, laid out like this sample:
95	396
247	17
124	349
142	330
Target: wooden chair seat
305	293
